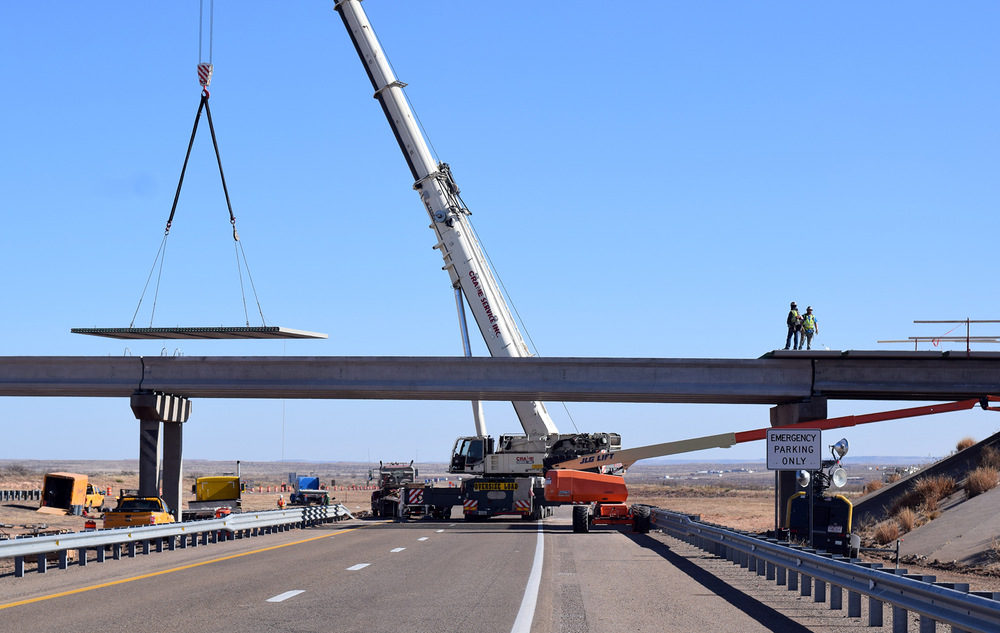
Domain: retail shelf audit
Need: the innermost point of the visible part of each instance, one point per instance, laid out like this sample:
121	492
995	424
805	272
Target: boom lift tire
581	518
642	519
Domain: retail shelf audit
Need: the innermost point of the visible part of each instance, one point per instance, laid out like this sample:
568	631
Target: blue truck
307	491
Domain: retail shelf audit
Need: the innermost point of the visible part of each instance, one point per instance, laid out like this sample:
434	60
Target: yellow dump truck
69	493
136	511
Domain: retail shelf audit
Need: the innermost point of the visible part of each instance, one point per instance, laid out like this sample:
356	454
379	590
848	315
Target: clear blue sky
651	179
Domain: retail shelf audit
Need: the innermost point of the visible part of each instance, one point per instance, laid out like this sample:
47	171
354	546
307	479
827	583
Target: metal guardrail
172	535
946	603
21	495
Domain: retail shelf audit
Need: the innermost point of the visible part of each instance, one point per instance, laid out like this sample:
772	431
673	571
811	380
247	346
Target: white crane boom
463	257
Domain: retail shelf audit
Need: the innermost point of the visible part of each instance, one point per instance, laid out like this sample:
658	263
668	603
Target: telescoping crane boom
469	271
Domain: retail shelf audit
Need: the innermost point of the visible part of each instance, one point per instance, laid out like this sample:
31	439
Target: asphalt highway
376	576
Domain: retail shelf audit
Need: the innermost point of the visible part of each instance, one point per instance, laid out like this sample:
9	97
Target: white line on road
281	597
439	531
527	611
398	549
423	538
358	566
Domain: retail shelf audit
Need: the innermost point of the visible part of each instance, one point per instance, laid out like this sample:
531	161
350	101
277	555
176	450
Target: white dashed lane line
281	597
423	538
358	566
397	550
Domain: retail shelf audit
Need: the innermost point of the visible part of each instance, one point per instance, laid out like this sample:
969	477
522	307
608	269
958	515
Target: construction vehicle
69	493
526	456
214	496
135	511
307	491
400	495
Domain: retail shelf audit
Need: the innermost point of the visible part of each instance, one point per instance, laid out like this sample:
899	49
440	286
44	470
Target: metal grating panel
263	332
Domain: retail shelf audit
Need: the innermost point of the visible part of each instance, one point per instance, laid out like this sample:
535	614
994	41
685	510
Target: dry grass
990	458
926	493
965	443
907	519
886	532
979	481
872	486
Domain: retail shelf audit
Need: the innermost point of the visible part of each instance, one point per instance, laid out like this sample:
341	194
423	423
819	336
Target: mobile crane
507	472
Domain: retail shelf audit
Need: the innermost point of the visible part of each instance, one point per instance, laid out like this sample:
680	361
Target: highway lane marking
281	597
423	538
170	571
358	566
439	531
522	624
397	550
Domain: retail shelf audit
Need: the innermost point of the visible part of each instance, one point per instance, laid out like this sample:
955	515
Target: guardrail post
116	551
82	555
43	563
781	576
145	546
820	593
63	559
853	604
793	580
836	598
874	611
19	567
770	570
900	619
806	586
131	549
100	553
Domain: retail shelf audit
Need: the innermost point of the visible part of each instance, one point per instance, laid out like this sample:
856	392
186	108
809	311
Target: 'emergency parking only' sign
800	449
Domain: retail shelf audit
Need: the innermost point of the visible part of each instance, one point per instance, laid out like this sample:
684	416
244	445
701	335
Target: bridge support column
153	409
783	415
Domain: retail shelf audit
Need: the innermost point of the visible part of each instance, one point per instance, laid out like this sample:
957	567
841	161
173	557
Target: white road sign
799	449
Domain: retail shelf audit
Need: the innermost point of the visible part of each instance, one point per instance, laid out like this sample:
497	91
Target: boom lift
521	458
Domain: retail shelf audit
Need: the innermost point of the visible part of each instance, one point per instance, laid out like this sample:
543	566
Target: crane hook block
205	74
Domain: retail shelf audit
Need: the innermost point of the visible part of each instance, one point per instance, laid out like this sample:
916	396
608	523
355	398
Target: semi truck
524	457
214	496
400	495
306	491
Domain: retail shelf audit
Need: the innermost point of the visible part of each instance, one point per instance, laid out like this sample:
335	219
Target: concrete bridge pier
783	415
154	410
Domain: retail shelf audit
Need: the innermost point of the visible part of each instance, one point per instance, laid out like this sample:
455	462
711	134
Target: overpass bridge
797	383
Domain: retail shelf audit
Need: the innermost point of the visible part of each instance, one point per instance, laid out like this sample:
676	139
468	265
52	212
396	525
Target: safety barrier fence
21	495
126	540
819	573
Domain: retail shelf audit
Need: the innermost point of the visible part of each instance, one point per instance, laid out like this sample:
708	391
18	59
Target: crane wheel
581	518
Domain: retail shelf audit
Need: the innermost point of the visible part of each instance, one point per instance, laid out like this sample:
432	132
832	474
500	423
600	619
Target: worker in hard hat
281	502
810	326
794	322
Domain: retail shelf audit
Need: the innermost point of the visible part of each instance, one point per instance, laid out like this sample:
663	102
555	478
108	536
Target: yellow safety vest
809	323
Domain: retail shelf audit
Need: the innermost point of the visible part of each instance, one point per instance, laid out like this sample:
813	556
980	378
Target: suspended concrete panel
264	332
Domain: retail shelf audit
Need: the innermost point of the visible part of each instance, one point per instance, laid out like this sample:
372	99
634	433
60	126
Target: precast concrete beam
784	378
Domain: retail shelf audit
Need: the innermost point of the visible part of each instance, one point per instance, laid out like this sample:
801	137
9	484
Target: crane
470	273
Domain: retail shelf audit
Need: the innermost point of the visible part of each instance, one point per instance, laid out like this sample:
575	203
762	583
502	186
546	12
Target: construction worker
793	321
809	327
281	502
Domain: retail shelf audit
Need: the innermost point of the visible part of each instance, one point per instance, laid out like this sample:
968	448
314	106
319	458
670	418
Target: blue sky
650	179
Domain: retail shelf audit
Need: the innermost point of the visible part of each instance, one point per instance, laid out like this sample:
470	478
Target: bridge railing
816	571
167	535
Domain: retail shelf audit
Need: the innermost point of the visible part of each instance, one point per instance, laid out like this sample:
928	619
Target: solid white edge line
522	624
281	597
